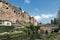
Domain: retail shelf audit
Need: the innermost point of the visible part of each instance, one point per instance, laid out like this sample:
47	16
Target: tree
58	17
55	21
52	22
59	14
20	8
56	30
34	28
34	31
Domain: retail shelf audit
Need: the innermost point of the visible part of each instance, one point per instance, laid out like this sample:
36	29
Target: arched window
6	3
7	8
14	11
29	18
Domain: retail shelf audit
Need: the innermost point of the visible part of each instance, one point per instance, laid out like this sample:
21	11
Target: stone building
48	27
33	21
12	13
5	23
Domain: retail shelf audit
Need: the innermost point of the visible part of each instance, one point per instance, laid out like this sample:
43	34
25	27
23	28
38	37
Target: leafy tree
59	14
37	28
58	17
46	32
34	31
34	28
52	22
55	21
56	30
20	8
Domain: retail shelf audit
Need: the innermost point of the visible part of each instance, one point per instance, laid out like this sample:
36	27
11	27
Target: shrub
56	30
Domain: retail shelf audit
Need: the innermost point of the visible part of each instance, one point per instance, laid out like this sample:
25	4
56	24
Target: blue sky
42	10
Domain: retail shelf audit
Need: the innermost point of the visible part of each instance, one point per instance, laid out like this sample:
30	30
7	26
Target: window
7	8
7	3
8	23
14	11
29	18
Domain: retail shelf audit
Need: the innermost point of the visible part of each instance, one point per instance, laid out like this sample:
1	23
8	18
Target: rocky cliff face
14	14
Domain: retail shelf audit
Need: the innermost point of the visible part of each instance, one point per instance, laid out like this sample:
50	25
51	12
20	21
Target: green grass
6	28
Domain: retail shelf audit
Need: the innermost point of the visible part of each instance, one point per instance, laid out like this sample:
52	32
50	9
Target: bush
56	30
6	28
46	32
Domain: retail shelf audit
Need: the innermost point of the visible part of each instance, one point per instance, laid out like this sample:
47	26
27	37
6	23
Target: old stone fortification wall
12	13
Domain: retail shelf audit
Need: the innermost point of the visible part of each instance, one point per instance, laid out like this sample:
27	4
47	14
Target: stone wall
12	13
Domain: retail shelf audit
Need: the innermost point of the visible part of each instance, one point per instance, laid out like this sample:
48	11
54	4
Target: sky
42	10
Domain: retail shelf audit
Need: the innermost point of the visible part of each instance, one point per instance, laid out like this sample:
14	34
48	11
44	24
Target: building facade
5	23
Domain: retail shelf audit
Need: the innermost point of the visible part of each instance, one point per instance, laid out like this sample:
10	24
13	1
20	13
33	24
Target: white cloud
27	1
38	18
47	15
43	16
22	11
